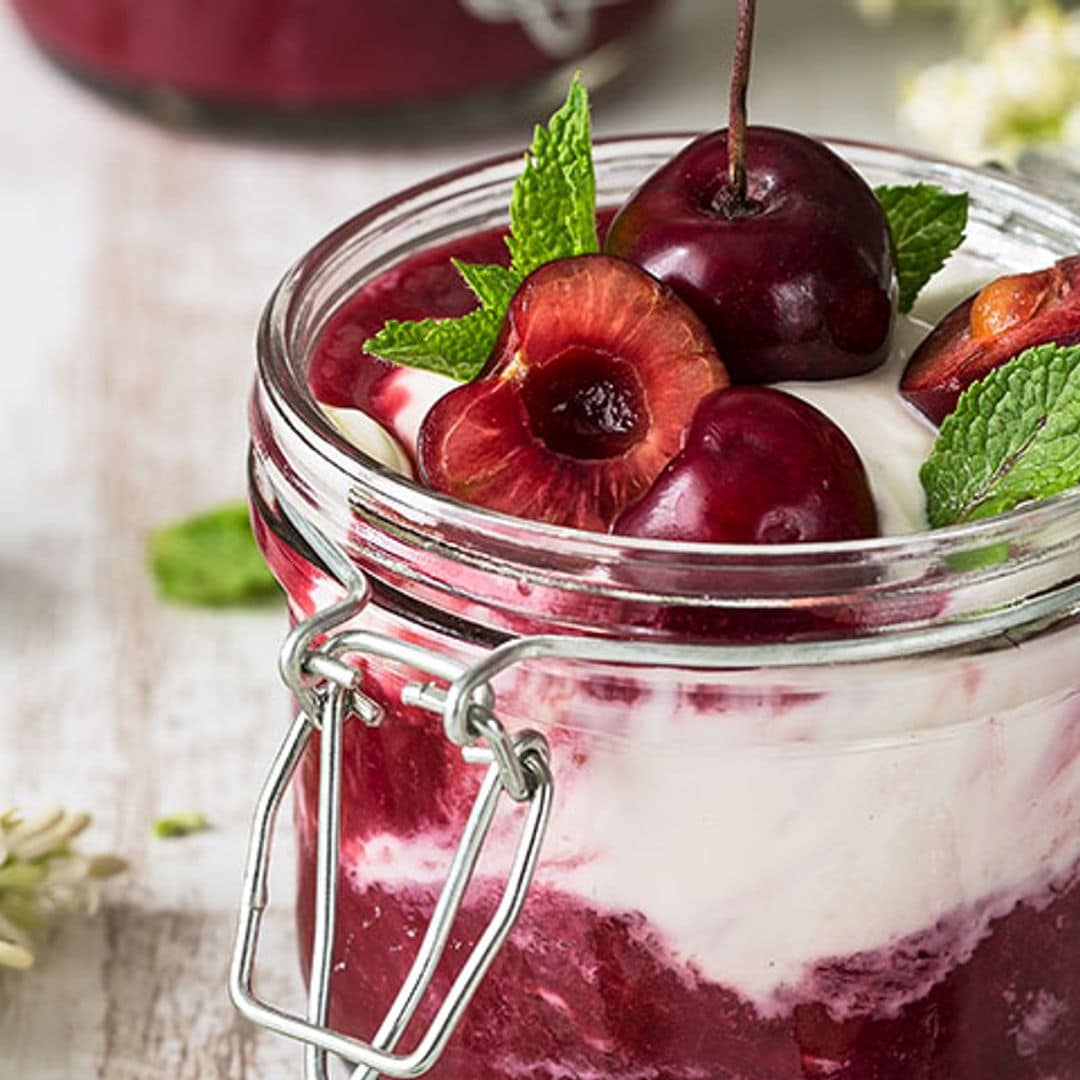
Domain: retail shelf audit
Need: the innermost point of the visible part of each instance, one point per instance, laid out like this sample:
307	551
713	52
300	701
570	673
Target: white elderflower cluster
1022	91
884	10
43	879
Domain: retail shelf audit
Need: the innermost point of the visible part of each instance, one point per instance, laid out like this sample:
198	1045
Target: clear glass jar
822	819
370	63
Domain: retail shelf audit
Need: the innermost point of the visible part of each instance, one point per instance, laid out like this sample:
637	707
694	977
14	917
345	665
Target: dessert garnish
927	225
211	559
598	393
552	216
988	329
759	467
587	396
43	878
776	242
1014	437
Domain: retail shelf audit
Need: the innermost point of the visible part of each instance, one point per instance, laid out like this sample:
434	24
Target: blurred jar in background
379	60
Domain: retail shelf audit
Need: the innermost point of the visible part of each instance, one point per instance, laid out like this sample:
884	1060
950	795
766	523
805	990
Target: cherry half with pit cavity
588	395
774	240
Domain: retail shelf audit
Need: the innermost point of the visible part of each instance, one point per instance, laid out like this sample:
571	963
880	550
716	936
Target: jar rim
287	386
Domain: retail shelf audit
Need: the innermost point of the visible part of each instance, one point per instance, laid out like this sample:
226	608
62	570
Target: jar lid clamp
330	691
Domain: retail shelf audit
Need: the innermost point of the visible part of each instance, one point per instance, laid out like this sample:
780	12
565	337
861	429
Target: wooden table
135	263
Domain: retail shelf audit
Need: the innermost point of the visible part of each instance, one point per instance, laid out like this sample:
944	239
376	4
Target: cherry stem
740	81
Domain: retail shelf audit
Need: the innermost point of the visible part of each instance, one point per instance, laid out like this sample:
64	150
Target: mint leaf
553	209
927	225
1013	437
178	825
552	216
494	286
210	559
455	347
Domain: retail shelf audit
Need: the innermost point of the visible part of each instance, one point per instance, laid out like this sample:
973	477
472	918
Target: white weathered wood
134	265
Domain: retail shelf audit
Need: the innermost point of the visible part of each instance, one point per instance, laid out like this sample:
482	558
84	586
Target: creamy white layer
891	437
760	835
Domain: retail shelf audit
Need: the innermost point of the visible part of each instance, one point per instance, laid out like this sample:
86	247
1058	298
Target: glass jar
816	809
374	63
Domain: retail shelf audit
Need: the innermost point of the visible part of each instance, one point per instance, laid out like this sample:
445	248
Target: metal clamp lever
330	691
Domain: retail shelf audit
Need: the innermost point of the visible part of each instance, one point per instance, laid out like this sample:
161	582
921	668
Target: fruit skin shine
759	467
589	393
797	283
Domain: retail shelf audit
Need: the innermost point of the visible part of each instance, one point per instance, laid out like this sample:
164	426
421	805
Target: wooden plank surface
134	267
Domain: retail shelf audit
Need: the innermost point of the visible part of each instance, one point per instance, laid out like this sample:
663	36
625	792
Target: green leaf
927	225
210	559
455	347
179	825
1013	437
494	286
552	216
553	209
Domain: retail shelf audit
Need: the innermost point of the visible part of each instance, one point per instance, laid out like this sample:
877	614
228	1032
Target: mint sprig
553	208
455	347
1014	437
552	216
927	224
210	559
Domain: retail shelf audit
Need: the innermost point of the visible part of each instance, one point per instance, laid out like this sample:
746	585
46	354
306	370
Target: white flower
43	879
883	10
1024	90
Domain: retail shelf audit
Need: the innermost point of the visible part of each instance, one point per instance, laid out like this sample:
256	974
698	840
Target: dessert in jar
371	60
818	814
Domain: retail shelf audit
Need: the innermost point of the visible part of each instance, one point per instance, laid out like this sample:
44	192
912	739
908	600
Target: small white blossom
1023	91
43	879
881	11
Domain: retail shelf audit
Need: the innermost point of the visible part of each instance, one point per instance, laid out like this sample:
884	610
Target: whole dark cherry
775	241
759	467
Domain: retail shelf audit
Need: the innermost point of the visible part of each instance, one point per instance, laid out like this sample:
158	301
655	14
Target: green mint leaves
927	225
1014	437
553	209
455	347
552	216
210	559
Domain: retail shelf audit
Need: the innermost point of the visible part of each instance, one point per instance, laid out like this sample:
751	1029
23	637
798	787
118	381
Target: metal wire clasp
330	692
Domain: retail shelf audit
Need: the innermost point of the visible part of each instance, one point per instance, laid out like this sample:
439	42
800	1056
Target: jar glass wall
374	63
849	849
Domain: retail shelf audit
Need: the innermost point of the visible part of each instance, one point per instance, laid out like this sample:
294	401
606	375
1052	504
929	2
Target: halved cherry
760	466
1008	316
588	395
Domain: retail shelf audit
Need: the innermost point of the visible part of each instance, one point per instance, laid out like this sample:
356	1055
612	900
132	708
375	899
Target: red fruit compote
769	867
374	57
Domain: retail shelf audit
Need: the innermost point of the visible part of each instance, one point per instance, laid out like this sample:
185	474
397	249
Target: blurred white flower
43	879
1024	90
884	10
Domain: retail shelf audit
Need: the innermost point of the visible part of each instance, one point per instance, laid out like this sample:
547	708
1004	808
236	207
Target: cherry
588	395
759	467
774	240
1009	315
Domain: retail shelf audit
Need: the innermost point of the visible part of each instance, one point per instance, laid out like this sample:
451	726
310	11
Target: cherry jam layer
579	993
367	53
